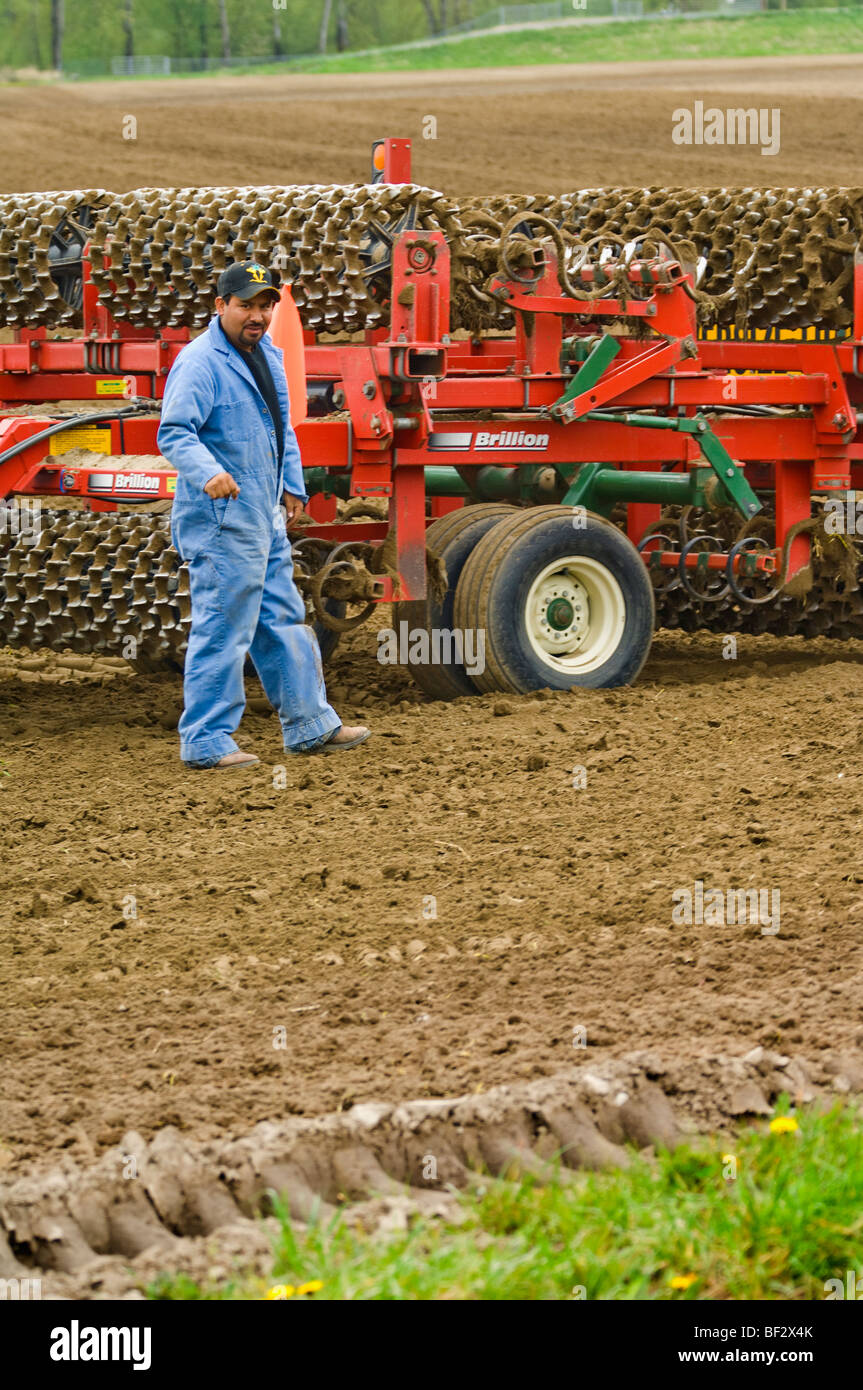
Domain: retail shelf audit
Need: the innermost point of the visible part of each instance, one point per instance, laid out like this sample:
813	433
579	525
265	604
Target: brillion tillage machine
561	420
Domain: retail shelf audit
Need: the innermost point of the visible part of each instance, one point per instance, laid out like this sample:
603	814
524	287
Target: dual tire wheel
539	602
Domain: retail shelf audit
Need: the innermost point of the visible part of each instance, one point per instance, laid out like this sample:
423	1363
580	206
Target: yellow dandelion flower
783	1124
682	1281
281	1291
313	1286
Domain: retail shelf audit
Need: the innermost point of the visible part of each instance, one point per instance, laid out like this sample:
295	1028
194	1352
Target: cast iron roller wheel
560	606
452	538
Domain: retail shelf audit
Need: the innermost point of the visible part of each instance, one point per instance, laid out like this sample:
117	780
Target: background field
521	129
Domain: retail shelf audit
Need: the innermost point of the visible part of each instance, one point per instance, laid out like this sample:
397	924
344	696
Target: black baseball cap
245	279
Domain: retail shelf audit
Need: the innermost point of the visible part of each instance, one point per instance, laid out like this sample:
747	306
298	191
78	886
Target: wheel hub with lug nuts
563	613
575	614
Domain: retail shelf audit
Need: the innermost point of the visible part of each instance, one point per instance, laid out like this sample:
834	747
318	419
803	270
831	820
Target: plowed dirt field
309	905
546	129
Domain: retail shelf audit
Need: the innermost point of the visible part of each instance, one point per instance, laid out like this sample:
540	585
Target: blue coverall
244	598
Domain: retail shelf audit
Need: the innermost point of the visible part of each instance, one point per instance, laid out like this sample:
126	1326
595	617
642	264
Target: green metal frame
598	487
600	356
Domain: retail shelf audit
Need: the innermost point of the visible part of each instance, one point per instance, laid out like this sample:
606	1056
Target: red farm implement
606	464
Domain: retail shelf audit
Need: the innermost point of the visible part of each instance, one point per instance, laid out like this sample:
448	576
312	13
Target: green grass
746	36
789	1221
773	34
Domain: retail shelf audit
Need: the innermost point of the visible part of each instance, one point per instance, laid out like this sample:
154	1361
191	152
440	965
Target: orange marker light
378	156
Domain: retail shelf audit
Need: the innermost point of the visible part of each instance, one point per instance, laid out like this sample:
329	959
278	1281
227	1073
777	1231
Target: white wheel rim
575	615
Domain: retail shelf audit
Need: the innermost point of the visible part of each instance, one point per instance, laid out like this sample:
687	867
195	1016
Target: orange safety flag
286	331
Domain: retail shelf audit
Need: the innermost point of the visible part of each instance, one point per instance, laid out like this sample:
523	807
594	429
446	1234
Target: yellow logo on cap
258	274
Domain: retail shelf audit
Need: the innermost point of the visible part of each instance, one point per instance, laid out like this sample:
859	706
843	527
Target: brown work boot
238	759
345	738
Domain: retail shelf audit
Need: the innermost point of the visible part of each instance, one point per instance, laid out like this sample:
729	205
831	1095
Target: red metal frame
399	382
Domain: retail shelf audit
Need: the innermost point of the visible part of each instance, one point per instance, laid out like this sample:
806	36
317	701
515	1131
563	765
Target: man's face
245	321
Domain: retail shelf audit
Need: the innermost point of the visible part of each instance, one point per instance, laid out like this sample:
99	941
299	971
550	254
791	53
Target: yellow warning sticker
111	386
171	483
98	441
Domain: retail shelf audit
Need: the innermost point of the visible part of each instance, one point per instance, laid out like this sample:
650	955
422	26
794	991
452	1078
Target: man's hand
293	507
222	485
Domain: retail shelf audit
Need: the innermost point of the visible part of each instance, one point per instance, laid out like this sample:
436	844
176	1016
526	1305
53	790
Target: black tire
451	538
604	603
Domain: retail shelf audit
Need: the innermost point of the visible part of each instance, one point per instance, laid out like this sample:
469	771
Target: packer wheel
451	538
560	606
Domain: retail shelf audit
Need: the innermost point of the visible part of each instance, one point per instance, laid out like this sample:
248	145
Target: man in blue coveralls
226	429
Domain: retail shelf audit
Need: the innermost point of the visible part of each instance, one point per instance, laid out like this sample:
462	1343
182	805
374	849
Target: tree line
63	34
58	34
